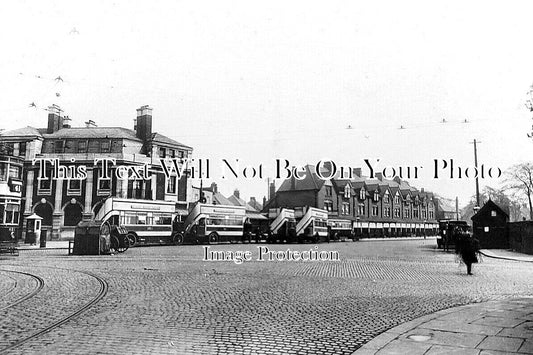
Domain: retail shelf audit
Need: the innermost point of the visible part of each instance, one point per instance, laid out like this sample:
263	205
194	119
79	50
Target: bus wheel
213	238
132	238
178	239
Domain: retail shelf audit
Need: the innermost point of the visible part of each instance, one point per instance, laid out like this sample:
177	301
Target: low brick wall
521	236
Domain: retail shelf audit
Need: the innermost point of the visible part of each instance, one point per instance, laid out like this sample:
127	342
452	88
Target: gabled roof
21	132
256	205
341	184
159	138
487	207
310	182
236	201
372	184
220	199
445	204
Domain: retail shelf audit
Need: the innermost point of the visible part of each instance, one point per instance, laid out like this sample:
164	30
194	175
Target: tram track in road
35	291
101	294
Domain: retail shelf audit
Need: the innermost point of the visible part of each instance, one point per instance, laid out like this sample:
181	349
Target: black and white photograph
266	177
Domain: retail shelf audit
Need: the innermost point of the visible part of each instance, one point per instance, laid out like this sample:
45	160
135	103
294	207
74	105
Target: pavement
494	327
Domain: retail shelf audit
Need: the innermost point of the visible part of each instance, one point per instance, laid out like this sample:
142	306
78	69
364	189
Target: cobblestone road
166	300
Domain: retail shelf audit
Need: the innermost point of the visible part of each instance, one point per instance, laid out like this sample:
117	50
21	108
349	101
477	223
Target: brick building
62	203
377	207
10	192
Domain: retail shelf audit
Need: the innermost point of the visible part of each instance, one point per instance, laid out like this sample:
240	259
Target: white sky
269	79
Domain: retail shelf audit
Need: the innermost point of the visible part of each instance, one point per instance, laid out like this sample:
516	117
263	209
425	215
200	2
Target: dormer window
347	191
58	147
397	199
82	146
104	146
376	196
362	194
386	197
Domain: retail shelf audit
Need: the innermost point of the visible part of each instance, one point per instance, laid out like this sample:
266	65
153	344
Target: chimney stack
293	179
214	188
143	127
357	172
55	121
272	190
379	176
236	193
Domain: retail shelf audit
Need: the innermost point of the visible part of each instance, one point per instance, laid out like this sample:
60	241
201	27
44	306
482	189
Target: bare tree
520	179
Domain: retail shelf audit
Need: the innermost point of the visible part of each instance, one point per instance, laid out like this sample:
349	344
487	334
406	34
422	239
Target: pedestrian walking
467	248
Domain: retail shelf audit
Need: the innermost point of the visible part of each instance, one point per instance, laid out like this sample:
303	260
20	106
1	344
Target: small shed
490	227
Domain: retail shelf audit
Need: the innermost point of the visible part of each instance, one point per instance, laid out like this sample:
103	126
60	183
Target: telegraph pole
476	208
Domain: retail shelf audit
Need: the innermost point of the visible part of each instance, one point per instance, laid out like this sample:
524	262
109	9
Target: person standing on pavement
467	247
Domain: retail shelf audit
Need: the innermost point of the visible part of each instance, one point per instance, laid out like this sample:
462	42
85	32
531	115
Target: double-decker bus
313	225
340	229
147	221
283	225
210	224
